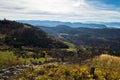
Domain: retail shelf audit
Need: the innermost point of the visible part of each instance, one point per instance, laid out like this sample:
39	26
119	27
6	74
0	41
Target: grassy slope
71	46
7	59
106	68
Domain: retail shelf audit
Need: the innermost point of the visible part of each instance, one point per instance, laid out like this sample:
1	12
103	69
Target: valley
95	37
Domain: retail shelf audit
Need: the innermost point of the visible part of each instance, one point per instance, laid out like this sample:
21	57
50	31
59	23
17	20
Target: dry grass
109	60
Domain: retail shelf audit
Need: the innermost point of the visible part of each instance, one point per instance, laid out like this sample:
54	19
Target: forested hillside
96	37
17	34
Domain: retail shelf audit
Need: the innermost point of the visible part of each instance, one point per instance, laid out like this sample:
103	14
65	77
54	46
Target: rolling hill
17	34
105	37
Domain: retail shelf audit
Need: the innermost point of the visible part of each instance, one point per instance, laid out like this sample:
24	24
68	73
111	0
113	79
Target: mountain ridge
19	34
72	24
55	23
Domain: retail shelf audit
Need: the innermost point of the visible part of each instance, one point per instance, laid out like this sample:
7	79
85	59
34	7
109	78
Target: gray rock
26	66
11	68
3	70
5	77
7	72
17	66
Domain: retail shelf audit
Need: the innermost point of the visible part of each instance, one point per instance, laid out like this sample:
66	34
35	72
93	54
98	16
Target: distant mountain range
72	24
112	24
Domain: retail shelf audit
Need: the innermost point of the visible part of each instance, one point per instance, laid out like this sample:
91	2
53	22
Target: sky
61	10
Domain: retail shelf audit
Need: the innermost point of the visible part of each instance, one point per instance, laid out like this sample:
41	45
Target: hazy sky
61	10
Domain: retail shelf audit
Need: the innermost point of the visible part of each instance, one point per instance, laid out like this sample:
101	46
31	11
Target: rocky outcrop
12	73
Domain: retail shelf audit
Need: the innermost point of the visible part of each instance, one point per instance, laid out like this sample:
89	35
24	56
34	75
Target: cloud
64	10
11	8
